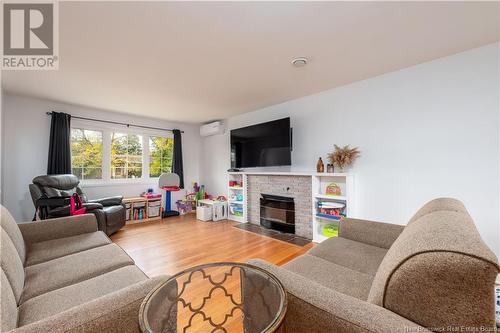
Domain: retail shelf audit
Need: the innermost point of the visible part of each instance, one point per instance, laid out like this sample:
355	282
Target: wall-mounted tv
261	145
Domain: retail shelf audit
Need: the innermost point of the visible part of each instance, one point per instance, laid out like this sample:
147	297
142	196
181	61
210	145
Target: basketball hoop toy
169	182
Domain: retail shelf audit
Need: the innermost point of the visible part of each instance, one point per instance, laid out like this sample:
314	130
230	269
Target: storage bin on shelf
329	228
334	210
233	196
154	208
128	211
236	210
329	214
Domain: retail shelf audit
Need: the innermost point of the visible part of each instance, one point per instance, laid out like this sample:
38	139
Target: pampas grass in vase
343	157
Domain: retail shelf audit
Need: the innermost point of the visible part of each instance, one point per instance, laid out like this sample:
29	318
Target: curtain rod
119	123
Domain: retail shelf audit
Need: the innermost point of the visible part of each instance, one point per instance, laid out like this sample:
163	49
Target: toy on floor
169	182
188	204
199	192
184	206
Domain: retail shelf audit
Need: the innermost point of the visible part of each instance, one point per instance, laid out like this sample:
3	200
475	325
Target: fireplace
277	213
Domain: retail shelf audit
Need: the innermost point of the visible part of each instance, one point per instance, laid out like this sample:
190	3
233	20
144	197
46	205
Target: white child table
214	210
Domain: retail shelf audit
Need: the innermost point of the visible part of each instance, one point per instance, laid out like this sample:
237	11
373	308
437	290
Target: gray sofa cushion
11	265
313	308
62	299
115	312
74	268
10	226
41	231
8	305
56	248
426	273
373	233
331	275
357	256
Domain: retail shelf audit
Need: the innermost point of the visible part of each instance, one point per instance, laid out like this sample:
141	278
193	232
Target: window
160	155
126	156
86	153
103	155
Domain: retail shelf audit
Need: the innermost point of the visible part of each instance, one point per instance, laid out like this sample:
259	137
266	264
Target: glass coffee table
221	297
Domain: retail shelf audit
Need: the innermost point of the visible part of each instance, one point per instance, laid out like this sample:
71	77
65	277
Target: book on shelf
140	214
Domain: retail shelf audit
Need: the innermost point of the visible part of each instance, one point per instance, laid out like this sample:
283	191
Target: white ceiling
197	62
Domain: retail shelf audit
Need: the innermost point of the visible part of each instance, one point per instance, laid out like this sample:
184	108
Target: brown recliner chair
109	212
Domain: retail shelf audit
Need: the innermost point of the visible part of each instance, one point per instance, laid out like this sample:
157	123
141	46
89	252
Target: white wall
1	140
25	150
427	131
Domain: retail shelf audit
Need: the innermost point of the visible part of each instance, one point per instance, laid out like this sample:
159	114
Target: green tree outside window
86	153
160	155
126	156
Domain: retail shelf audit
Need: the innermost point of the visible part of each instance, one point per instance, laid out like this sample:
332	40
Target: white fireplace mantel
291	173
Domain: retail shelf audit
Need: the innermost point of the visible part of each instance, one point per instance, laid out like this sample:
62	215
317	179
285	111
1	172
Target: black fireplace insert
277	213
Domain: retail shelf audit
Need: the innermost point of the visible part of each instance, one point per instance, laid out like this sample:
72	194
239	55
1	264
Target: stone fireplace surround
295	186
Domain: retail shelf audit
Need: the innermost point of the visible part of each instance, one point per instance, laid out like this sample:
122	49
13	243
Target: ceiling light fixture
299	62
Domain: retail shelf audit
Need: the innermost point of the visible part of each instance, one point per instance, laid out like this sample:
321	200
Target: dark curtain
177	159
59	145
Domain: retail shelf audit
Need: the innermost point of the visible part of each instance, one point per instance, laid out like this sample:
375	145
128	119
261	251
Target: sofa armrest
369	232
313	308
116	312
90	206
60	227
110	201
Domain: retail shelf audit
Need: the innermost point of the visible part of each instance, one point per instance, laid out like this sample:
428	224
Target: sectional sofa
62	275
434	274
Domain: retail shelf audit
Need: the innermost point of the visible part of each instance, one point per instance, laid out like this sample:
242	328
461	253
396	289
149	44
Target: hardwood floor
174	244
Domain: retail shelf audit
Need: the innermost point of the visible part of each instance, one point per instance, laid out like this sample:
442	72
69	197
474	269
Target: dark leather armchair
109	212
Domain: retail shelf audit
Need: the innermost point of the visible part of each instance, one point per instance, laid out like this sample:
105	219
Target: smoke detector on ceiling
299	62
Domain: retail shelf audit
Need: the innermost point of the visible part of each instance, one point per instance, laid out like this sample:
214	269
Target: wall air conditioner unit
213	128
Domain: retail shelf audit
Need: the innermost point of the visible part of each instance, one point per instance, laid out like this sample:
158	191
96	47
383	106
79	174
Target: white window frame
107	130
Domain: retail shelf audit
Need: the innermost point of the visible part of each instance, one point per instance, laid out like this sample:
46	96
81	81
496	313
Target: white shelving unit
320	181
236	196
336	197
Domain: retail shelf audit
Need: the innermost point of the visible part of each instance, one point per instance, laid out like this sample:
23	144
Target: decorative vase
320	166
330	168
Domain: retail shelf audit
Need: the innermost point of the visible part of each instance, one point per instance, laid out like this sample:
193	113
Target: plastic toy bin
204	213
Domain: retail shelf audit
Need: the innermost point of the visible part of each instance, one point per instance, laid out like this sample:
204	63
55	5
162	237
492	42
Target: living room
338	159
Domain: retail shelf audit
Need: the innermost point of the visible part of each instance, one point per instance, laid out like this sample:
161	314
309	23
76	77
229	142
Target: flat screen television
261	145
